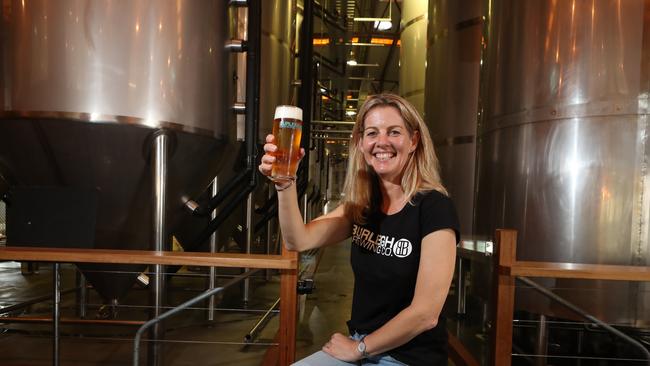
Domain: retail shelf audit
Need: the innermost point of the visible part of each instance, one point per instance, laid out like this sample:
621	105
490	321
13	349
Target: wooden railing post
504	298
288	310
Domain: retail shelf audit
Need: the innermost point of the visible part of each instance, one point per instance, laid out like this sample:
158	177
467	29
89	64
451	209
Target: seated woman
404	231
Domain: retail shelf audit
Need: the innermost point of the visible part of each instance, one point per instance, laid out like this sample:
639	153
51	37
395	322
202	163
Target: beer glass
287	129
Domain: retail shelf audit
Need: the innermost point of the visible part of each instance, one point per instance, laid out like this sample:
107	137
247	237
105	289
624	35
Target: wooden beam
116	256
288	310
48	320
504	299
577	271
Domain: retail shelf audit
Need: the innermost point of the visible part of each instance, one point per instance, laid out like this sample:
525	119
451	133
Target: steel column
160	152
56	313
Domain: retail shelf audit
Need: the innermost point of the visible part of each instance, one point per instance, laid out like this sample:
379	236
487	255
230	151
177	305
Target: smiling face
386	143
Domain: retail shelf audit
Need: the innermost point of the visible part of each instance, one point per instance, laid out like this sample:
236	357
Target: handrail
177	309
577	271
287	263
119	256
507	268
586	315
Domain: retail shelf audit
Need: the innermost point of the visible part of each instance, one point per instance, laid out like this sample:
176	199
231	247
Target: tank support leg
542	340
56	313
159	156
212	280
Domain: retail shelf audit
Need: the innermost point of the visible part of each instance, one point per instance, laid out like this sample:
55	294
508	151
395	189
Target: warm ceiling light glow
321	41
384	41
352	62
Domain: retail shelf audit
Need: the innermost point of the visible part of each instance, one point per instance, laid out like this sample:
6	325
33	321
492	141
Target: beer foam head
288	111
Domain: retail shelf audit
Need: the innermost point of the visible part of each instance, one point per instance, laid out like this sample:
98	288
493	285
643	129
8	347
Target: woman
404	232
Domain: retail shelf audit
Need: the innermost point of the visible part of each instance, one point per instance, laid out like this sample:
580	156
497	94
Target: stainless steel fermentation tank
562	144
86	85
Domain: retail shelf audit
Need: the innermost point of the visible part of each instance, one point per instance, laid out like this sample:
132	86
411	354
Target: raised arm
324	230
435	272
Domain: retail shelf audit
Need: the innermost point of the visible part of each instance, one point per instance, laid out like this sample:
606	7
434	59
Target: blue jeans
321	358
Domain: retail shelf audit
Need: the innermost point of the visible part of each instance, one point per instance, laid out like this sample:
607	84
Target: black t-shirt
385	258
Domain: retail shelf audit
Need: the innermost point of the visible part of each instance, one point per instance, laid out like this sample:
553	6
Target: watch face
361	347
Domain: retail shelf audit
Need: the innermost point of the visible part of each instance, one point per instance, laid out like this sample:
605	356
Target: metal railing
3	220
548	293
286	263
507	269
205	295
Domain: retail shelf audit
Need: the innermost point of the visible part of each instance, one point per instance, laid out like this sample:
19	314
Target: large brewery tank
562	149
85	87
412	56
452	86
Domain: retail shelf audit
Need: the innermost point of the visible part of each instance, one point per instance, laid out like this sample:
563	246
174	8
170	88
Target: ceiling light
356	64
350	112
383	25
352	62
387	19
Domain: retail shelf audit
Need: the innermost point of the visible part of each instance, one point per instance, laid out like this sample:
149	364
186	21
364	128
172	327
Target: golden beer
287	129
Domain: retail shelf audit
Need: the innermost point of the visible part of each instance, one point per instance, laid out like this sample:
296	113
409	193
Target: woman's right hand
268	159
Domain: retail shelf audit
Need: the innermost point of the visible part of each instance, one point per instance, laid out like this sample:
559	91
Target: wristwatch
361	347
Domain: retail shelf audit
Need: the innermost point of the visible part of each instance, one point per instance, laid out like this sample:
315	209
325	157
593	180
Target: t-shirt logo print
402	248
381	244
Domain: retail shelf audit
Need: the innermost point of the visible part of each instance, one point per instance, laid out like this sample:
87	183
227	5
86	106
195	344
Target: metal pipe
585	315
305	208
160	239
250	336
82	294
460	287
237	2
335	123
56	313
270	214
542	341
329	18
332	131
40	319
29	302
239	108
253	77
235	45
249	242
224	212
213	249
271	191
206	208
305	100
174	311
331	138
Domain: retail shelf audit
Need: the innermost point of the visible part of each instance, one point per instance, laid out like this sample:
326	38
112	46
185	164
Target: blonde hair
421	172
